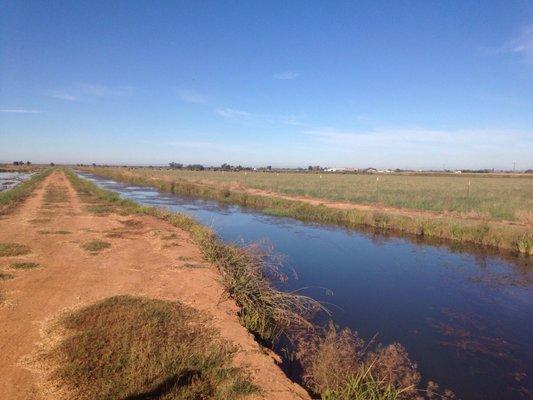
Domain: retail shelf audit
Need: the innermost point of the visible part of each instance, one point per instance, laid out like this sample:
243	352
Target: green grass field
495	196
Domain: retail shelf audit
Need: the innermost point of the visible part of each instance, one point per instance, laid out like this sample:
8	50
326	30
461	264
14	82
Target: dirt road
147	257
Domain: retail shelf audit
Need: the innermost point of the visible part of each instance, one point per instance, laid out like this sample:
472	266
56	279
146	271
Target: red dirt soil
142	261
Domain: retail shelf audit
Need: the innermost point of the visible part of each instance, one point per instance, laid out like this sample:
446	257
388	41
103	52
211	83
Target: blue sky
414	84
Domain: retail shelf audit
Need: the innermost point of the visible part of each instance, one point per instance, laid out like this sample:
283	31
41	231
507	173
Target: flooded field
9	180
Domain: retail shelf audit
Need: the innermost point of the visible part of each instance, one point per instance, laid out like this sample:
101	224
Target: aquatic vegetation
339	365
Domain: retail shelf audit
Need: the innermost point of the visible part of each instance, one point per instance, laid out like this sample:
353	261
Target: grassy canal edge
514	238
336	364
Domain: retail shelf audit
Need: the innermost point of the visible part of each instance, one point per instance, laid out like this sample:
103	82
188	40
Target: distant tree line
21	163
223	167
310	169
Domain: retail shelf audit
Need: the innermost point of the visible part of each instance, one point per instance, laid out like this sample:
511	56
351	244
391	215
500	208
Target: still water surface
465	317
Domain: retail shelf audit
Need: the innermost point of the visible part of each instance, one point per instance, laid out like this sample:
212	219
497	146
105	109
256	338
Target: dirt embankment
379	208
147	257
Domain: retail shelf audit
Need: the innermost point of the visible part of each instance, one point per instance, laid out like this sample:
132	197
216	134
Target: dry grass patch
13	249
60	232
39	220
172	236
171	244
95	246
192	265
24	265
134	348
525	217
5	277
100	209
132	223
116	235
55	194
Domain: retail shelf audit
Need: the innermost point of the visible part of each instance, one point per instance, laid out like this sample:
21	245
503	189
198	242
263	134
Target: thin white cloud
422	147
231	113
420	138
84	91
286	75
97	90
523	45
204	146
190	96
197	144
242	116
64	96
20	111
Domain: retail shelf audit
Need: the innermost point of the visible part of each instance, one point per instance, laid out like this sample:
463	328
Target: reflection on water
463	314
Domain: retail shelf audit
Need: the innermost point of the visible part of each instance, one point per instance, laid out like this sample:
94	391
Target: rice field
502	197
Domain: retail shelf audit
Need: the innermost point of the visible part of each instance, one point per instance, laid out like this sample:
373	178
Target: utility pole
514	166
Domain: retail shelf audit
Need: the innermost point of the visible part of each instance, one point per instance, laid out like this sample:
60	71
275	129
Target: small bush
95	246
13	249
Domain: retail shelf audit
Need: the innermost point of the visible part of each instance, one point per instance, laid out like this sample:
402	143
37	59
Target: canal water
464	315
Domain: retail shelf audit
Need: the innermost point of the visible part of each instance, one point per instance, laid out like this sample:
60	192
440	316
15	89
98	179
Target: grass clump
101	209
59	232
95	246
55	194
39	220
13	249
134	348
24	265
5	277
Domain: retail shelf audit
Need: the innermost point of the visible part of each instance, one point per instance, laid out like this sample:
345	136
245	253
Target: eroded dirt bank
147	257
